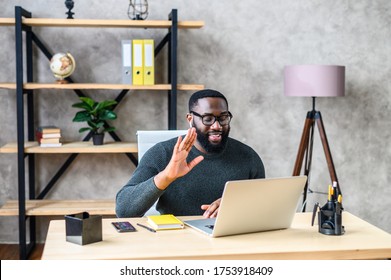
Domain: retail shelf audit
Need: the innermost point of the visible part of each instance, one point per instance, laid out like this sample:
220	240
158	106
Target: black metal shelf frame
171	39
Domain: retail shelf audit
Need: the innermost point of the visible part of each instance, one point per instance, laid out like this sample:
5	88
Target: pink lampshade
314	80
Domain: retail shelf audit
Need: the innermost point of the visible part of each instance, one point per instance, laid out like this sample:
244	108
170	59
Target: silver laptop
254	205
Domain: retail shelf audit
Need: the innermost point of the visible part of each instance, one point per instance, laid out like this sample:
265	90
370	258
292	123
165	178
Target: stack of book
48	136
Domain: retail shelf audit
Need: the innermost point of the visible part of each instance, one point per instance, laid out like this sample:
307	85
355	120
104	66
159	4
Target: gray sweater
202	185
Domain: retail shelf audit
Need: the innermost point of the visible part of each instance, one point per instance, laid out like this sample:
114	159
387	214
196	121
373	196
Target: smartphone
123	226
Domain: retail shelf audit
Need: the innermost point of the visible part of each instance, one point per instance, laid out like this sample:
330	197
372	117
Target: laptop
253	206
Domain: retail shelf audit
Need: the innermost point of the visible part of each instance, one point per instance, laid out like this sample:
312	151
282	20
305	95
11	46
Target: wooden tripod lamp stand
314	81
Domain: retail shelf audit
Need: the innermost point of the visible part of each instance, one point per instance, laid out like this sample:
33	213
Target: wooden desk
361	241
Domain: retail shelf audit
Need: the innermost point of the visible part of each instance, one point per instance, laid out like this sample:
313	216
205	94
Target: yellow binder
137	59
149	62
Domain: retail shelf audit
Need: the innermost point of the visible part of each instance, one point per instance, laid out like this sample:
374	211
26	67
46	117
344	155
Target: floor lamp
314	81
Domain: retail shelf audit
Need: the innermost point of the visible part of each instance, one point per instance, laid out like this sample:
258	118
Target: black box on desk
83	229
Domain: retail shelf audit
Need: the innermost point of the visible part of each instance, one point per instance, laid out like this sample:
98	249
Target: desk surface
302	241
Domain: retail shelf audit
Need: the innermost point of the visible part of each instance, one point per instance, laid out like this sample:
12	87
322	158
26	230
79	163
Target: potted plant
95	114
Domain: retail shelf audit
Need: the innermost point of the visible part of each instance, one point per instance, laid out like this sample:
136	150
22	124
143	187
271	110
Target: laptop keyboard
210	226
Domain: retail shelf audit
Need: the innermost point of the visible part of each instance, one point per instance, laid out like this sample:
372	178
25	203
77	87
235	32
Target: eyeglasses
210	119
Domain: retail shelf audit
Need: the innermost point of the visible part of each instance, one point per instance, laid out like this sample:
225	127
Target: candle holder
69	4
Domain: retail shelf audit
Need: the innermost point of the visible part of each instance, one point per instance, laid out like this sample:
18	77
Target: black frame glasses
209	119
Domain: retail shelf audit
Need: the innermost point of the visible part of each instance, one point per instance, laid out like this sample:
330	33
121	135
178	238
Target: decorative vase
97	139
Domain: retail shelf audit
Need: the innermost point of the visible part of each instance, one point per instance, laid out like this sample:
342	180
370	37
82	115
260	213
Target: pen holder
330	218
83	229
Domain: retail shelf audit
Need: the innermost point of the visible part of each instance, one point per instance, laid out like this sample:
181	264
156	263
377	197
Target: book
163	222
47	145
48	129
40	135
49	140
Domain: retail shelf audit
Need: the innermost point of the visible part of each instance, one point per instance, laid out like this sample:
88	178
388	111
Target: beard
211	147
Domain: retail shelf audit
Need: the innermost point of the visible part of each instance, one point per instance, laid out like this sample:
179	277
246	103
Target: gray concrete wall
241	51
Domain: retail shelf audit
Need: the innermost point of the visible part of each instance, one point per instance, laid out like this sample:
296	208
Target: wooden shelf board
8	85
7	21
33	86
73	147
190	87
57	22
59	207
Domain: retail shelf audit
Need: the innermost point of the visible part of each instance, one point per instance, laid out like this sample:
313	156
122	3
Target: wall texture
241	51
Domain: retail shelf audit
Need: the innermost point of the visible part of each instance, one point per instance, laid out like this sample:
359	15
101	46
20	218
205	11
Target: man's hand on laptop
212	209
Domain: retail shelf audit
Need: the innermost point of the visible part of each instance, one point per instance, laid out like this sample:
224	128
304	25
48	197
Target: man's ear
189	118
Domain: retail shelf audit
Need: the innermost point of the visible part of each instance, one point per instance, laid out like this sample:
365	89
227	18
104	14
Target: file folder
149	62
137	59
127	62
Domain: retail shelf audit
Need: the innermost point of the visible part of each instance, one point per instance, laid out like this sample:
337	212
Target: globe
62	65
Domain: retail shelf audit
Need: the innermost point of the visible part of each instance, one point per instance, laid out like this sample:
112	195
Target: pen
148	228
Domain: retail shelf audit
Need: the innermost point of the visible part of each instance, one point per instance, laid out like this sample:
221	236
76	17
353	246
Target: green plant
95	114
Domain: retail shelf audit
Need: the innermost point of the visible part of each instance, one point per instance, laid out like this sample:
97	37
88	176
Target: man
187	176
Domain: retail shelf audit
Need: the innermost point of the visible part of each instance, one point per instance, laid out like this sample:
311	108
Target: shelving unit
35	205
